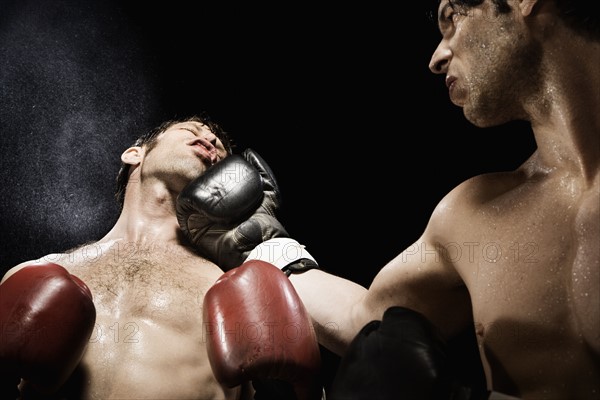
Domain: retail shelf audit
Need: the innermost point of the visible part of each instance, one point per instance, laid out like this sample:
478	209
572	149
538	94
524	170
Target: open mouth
207	155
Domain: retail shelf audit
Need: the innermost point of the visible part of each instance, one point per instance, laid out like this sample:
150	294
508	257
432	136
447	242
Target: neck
566	124
148	216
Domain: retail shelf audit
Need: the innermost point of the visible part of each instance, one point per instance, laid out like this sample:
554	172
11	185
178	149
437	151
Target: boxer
145	287
513	255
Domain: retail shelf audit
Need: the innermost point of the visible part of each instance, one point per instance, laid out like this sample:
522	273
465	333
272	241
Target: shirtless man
147	285
515	255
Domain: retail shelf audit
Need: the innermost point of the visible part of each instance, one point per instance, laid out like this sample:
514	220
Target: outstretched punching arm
229	214
340	308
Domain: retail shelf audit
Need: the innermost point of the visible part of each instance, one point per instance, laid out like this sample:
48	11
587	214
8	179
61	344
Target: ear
527	6
132	155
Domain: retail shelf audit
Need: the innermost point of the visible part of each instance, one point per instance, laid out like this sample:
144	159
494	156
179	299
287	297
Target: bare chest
148	337
534	256
533	272
144	283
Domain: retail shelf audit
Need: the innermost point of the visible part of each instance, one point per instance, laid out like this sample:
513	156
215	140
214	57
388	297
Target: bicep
420	278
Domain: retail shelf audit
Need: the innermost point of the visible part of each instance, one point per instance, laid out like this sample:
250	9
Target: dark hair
579	15
148	139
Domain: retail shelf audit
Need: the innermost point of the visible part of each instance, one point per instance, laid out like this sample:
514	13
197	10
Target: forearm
333	304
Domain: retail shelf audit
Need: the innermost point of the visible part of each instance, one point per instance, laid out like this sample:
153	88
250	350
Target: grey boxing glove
229	215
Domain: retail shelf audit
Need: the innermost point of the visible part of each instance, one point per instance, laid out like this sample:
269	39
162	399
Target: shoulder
483	188
68	259
470	197
49	258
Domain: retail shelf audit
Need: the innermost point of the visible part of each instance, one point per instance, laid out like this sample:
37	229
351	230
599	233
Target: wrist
282	253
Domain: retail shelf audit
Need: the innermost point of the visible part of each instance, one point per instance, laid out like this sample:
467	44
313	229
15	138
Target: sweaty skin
515	255
535	285
148	338
148	287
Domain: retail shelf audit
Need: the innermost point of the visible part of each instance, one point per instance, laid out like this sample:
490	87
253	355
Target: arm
419	278
397	352
229	214
332	302
422	279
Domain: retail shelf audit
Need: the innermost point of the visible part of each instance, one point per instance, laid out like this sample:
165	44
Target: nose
440	59
213	140
215	146
210	137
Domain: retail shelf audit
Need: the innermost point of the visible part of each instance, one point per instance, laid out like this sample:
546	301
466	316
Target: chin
483	117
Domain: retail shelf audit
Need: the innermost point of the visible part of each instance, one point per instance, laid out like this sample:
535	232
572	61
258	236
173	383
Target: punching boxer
513	255
148	339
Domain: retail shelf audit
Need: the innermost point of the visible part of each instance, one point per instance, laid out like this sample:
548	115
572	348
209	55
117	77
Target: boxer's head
578	15
149	140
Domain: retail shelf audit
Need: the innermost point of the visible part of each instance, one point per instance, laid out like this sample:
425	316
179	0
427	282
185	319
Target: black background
337	98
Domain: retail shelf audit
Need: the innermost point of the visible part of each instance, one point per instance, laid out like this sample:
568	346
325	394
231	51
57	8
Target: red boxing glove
46	319
259	329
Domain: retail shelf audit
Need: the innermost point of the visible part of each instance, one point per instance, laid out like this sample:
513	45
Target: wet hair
579	15
149	140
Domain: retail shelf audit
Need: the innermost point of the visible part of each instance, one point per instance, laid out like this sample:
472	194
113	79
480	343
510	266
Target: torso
148	340
530	258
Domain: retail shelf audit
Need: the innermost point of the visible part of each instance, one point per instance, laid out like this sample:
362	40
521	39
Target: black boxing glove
400	357
229	214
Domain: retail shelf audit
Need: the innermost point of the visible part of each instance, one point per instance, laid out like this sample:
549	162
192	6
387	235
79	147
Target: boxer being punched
148	340
513	255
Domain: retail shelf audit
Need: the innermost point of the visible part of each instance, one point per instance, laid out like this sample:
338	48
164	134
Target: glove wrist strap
284	253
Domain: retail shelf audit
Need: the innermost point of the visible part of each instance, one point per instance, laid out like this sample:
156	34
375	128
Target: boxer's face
205	144
491	61
182	152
